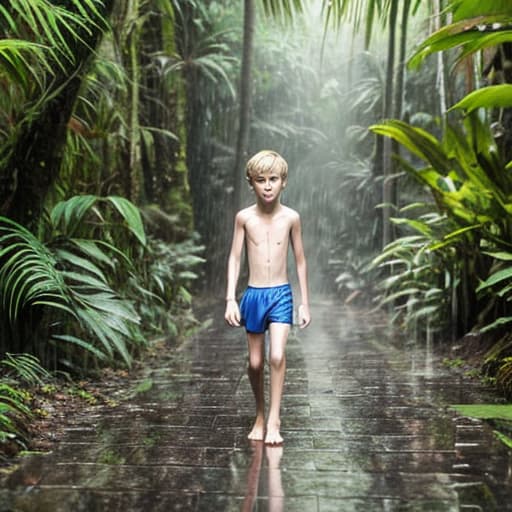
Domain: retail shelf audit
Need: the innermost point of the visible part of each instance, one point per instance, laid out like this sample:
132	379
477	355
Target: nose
268	185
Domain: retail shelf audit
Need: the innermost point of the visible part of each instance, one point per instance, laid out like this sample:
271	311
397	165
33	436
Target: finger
304	323
233	321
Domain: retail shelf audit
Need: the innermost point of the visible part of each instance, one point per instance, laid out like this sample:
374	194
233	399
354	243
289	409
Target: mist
315	93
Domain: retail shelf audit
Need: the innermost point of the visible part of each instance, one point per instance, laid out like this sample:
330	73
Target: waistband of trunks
277	287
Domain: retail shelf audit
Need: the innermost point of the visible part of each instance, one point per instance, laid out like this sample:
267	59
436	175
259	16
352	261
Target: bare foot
258	430
273	436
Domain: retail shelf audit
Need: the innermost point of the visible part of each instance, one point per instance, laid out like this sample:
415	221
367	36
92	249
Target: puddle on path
367	427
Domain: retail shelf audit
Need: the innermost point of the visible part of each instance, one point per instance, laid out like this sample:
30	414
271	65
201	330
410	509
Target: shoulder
291	214
244	215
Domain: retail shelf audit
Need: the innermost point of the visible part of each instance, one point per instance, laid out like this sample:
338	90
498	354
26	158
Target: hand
232	314
304	316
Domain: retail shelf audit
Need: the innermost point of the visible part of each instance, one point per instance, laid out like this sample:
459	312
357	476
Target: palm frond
64	275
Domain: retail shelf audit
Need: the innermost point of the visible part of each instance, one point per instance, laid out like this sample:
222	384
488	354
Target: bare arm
232	314
302	274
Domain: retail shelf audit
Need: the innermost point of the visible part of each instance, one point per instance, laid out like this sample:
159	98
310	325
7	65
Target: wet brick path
367	427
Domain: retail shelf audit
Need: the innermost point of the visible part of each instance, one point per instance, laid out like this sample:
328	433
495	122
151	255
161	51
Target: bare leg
256	370
278	337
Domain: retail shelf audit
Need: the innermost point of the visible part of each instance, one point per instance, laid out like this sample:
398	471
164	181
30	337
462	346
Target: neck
268	208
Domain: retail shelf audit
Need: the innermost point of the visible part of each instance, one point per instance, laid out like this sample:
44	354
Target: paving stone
366	419
84	500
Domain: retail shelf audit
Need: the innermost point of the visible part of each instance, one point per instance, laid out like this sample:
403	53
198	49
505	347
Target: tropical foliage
89	120
41	77
14	415
453	263
17	370
64	272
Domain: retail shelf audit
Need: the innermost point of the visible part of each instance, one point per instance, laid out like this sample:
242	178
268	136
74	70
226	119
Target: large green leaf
417	225
487	40
454	236
496	324
69	215
131	215
91	249
466	9
488	97
472	149
83	264
495	278
416	140
80	281
109	337
458	34
89	347
501	255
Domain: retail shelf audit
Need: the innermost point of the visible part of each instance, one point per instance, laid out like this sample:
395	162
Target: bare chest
263	233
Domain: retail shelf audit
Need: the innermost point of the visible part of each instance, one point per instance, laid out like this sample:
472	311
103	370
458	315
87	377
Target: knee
255	364
277	360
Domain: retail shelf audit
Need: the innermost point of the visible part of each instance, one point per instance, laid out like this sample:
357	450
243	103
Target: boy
267	228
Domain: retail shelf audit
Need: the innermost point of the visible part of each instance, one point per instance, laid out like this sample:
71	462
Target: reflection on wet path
274	491
366	425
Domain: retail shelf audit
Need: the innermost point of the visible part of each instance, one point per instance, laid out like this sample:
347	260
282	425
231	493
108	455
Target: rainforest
125	126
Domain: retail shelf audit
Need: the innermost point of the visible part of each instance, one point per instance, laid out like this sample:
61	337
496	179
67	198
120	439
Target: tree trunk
387	187
399	95
135	167
33	162
441	82
245	101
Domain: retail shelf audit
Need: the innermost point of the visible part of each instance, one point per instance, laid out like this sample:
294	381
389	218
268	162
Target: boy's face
268	186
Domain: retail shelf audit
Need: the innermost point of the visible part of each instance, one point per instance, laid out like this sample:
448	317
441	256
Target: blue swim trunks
262	306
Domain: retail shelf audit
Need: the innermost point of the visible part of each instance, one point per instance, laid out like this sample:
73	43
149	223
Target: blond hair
266	161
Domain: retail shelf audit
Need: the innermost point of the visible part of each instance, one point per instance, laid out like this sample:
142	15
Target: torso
267	239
